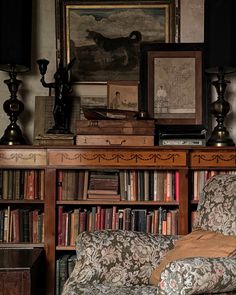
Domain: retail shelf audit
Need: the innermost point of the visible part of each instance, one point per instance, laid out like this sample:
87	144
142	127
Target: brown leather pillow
199	243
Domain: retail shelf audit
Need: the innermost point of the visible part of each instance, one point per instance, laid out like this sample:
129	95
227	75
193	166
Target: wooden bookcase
185	160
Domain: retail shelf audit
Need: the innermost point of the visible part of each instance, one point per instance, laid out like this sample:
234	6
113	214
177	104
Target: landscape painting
105	38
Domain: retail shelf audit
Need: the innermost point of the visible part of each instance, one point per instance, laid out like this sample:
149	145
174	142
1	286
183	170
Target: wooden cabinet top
120	157
217	157
22	157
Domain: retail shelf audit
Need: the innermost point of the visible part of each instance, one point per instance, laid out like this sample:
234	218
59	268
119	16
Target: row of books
19	184
21	226
126	185
201	177
73	222
64	266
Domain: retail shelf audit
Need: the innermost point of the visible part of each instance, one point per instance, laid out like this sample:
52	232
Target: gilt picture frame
172	88
105	37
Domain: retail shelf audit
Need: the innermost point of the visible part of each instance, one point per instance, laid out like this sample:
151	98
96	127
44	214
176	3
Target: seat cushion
217	208
99	289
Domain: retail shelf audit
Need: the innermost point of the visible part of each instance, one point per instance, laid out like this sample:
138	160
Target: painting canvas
105	37
122	95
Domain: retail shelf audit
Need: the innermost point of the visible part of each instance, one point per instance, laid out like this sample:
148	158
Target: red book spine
59	226
31	185
177	186
59	185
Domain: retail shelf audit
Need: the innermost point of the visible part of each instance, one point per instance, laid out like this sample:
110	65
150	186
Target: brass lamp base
220	138
12	136
220	108
13	107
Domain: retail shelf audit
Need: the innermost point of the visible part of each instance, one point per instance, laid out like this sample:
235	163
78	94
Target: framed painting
105	37
171	78
122	95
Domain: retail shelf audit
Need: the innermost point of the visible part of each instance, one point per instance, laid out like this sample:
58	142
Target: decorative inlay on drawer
222	159
103	157
23	157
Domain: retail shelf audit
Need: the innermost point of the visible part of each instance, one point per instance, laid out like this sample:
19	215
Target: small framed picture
123	95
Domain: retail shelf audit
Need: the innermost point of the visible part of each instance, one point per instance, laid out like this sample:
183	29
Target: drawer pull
116	144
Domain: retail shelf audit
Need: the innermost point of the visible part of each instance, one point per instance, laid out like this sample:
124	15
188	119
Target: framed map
171	83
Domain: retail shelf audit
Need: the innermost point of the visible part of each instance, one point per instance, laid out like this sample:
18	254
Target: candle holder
15	57
220	60
220	108
13	108
62	88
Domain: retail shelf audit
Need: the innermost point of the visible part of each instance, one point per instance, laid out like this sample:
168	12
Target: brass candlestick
13	108
220	108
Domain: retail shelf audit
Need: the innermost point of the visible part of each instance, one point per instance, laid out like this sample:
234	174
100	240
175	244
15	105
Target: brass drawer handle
116	144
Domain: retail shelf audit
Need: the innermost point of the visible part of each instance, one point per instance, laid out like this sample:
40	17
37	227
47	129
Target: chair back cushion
217	207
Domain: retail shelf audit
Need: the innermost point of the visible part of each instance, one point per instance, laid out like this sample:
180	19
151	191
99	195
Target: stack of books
103	185
188	136
115	132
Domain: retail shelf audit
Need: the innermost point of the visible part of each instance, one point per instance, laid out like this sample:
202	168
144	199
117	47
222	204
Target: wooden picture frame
44	115
172	85
123	95
104	36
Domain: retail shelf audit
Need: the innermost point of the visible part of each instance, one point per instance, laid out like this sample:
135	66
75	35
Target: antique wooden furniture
22	271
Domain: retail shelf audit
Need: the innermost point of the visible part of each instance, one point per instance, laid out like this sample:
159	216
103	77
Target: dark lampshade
15	34
220	35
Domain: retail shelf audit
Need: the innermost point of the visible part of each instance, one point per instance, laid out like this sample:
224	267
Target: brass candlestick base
220	108
13	108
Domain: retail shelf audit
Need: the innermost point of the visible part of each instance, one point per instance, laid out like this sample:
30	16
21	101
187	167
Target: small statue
62	86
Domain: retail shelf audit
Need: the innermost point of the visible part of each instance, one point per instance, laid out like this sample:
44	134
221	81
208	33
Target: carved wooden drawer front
117	158
22	157
15	283
213	159
21	272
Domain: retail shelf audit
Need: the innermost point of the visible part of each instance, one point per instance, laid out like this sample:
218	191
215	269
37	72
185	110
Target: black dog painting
106	39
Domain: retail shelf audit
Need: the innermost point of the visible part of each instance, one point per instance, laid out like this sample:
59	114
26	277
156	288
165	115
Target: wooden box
115	127
115	140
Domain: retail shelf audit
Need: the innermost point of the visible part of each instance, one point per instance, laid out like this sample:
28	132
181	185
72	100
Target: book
115	140
118	127
63	270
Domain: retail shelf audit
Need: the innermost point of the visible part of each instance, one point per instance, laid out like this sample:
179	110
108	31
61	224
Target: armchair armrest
117	257
199	275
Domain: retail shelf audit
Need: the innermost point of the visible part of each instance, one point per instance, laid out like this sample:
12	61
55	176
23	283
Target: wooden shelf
22	245
51	158
120	203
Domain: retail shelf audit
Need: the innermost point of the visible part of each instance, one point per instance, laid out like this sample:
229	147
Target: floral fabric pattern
121	262
118	259
199	276
217	208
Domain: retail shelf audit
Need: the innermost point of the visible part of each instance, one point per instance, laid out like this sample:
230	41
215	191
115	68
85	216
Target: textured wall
44	46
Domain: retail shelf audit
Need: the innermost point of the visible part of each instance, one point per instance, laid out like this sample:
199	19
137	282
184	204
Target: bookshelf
53	162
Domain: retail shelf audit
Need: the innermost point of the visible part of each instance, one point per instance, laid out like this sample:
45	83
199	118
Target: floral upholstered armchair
122	262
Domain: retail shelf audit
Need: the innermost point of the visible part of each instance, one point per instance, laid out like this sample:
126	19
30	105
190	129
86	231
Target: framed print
172	83
44	105
122	95
105	36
